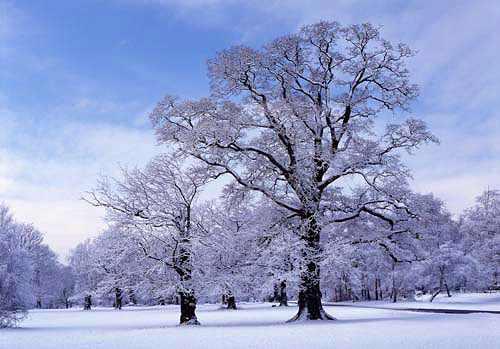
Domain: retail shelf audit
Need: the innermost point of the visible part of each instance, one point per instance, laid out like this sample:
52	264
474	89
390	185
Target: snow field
257	326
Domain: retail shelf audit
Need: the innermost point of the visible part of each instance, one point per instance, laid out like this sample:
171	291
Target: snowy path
253	326
457	304
422	310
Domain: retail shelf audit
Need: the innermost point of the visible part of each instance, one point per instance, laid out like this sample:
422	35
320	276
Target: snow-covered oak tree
156	208
294	121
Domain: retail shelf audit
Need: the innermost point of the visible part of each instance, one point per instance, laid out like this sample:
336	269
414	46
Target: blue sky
77	79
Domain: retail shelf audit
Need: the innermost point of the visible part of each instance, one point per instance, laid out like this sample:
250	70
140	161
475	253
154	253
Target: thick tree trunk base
190	322
306	315
118	299
310	308
231	303
188	309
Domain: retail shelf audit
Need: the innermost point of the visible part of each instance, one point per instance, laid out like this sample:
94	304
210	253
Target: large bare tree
294	119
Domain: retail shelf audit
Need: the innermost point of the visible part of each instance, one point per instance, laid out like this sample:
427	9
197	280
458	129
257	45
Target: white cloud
47	163
45	175
65	223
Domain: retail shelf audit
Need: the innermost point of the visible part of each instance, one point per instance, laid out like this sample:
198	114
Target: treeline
237	256
30	274
166	246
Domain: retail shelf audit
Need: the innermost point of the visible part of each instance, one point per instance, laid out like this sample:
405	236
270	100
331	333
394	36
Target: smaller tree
156	207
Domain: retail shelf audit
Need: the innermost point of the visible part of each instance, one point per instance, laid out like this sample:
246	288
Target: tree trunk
394	292
283	296
376	289
188	308
381	290
310	307
447	289
87	305
231	301
118	298
187	296
442	283
276	295
434	295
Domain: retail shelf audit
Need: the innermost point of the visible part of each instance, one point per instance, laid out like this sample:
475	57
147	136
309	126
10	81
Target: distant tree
16	293
120	263
65	286
46	274
481	226
86	273
226	257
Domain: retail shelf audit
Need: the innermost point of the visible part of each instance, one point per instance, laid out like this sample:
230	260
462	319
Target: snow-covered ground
262	326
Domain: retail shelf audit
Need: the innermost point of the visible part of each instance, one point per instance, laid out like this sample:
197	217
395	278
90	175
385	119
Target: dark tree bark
231	301
310	307
118	298
87	305
381	296
434	295
394	291
394	295
447	289
442	284
187	295
276	295
224	299
283	296
188	308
